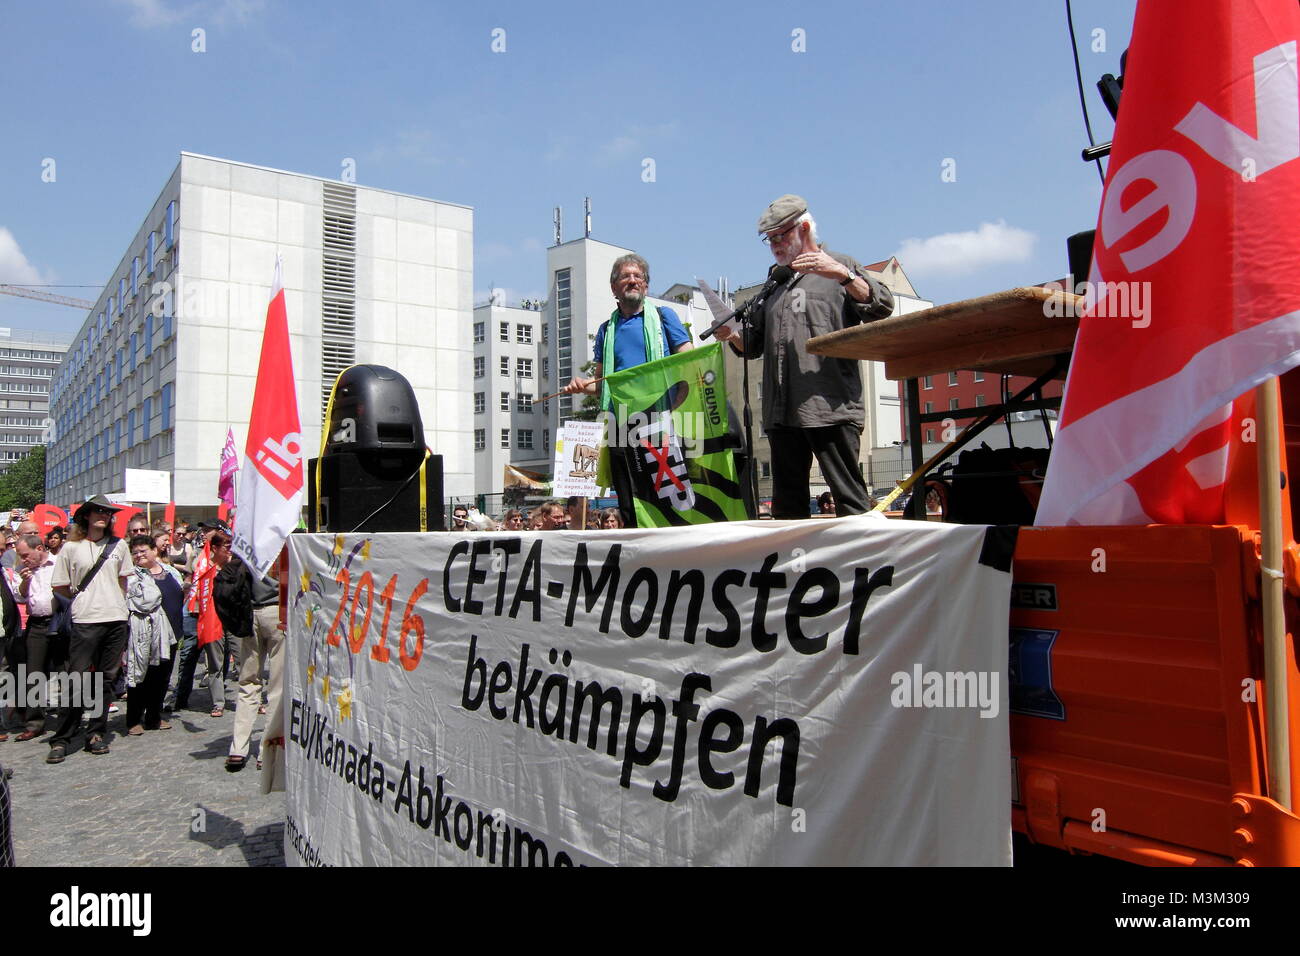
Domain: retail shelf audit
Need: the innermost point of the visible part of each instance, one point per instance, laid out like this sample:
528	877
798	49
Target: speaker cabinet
354	484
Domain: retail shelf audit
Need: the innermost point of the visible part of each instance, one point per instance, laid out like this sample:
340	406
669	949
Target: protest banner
669	419
828	692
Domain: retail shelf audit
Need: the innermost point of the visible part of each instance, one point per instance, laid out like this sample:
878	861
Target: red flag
229	468
201	599
271	490
1195	286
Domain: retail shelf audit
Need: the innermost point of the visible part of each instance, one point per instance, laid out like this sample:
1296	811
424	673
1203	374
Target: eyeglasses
780	236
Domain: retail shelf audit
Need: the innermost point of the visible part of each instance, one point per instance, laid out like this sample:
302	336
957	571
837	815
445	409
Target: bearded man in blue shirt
626	340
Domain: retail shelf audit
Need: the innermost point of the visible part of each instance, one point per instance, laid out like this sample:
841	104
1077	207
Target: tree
23	485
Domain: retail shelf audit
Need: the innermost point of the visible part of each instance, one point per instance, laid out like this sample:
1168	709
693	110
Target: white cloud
14	265
646	139
161	13
953	254
490	250
412	144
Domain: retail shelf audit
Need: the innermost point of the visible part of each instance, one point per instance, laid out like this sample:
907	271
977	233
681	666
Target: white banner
748	693
154	487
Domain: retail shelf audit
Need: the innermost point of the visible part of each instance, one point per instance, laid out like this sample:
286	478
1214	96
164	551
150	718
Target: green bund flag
670	422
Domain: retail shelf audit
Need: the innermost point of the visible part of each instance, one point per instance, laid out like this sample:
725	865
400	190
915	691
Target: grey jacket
809	391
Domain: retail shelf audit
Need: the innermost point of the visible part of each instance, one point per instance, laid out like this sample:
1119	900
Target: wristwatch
853	274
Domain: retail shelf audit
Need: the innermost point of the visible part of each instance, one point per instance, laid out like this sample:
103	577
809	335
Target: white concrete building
167	359
511	368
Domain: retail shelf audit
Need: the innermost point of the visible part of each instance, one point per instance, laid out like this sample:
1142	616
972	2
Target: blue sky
860	123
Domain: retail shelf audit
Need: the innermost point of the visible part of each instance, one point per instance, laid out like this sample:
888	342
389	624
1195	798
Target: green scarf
654	345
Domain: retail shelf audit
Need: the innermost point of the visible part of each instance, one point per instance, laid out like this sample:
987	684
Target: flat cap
782	212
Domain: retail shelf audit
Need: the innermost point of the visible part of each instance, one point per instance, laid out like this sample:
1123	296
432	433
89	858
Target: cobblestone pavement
158	800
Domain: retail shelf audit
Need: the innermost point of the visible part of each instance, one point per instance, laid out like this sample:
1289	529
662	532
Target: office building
27	364
167	359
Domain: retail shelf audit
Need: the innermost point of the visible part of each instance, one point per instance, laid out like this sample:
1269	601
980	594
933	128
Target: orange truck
1137	668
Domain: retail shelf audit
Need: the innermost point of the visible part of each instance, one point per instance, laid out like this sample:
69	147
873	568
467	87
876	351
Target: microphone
779	277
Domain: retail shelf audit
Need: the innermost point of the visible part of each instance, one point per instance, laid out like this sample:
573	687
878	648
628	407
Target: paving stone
139	804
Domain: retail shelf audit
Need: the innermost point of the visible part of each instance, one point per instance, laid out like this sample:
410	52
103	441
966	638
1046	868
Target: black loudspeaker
375	473
1079	249
354	484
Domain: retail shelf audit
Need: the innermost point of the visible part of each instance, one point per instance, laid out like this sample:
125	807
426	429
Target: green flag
669	418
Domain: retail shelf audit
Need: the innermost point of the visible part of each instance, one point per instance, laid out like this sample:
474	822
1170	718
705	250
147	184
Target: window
505	401
479	366
480	333
546	332
505	438
524	334
526	439
121	295
927	382
546	368
546	439
979	401
952	378
480	403
150	247
929	434
953	404
144	419
168	398
130	428
765	469
133	344
480	439
524	402
135	276
979	376
148	335
929	407
505	365
505	331
169	225
524	368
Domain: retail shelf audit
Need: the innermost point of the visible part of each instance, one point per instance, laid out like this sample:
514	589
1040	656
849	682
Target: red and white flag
229	468
1194	296
270	492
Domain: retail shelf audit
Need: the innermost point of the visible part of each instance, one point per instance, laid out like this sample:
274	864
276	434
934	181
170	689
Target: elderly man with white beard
811	405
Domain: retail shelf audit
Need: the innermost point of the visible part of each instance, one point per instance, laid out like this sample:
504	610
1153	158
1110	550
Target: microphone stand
748	417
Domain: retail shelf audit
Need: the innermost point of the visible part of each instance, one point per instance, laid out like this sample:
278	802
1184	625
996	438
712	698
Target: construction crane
67	300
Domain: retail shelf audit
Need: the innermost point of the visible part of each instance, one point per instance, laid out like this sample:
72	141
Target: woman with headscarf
155	599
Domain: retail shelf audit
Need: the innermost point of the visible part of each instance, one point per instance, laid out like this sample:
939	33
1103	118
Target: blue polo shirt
629	338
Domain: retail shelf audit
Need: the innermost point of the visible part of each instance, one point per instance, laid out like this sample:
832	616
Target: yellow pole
1277	705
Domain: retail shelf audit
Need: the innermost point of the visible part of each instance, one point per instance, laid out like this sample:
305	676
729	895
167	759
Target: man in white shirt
36	573
96	589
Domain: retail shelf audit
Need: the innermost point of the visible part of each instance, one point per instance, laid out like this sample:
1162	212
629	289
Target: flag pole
1276	704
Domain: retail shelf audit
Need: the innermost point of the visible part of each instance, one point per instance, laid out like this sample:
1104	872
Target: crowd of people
79	599
573	514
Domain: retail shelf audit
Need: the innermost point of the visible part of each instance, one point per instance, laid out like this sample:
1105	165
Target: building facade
511	369
167	359
28	361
